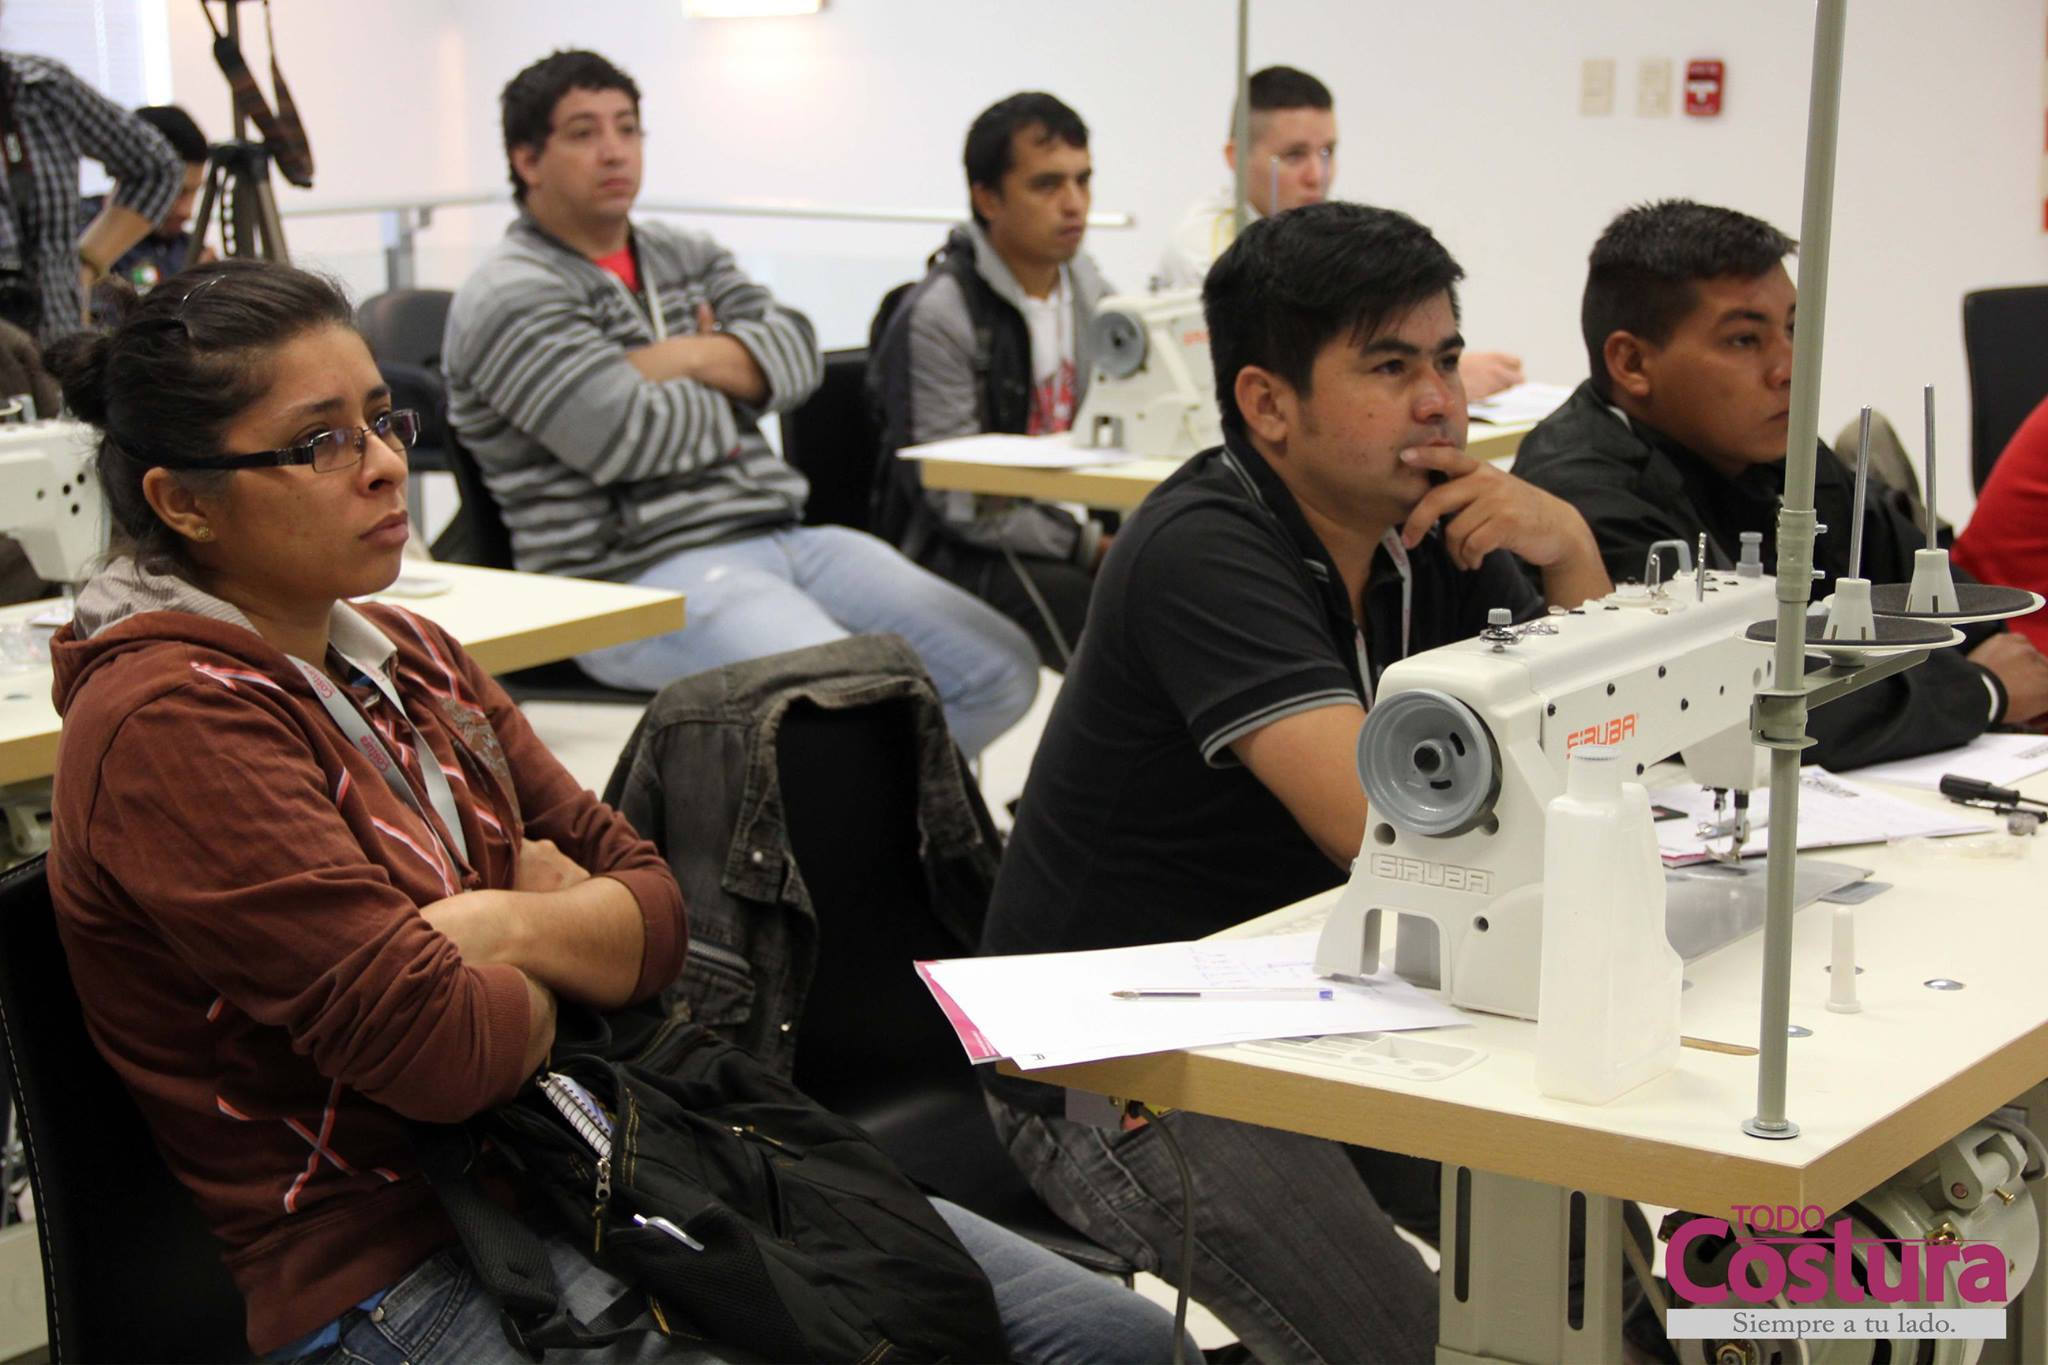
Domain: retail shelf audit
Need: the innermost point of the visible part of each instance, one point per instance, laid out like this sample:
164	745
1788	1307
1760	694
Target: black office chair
873	1045
831	440
130	1273
2005	341
405	325
403	331
488	544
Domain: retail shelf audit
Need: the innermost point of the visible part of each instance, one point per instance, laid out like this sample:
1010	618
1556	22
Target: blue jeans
806	585
1053	1311
1291	1250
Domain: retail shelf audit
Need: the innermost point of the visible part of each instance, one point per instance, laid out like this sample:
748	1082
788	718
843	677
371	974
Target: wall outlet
1596	87
1653	88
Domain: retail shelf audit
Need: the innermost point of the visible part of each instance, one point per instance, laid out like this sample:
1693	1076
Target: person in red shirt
2007	538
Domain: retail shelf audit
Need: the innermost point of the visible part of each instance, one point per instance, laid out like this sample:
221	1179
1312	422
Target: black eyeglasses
328	451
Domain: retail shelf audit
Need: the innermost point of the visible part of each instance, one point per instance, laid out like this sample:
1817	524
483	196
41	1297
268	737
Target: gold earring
203	533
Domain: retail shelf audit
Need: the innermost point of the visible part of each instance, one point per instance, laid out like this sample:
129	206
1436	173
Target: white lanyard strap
366	742
653	297
1397	552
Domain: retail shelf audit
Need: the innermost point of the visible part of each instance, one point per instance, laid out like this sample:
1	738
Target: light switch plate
1653	88
1596	87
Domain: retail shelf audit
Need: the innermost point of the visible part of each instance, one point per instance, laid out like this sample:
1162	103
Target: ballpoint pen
1227	993
663	1225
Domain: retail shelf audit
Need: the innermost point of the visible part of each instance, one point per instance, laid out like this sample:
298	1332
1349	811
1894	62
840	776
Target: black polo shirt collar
1386	626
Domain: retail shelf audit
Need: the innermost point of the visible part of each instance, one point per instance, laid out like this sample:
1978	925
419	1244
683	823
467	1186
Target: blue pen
1227	993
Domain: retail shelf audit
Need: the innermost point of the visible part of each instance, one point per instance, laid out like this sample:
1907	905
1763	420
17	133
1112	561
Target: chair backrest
487	543
130	1272
873	1045
405	325
831	439
849	795
2005	341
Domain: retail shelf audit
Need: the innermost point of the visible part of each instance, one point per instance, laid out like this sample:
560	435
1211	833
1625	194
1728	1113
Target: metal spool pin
1927	398
1934	594
1862	483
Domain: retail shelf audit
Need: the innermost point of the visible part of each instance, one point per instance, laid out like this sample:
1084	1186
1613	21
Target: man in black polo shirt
1681	429
1198	766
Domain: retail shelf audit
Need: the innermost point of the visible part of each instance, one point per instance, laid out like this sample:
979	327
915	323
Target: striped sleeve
780	339
535	356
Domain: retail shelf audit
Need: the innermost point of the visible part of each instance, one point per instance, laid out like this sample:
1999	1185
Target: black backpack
898	512
764	1222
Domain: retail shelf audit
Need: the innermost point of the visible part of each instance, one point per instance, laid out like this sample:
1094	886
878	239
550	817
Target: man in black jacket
995	338
1688	315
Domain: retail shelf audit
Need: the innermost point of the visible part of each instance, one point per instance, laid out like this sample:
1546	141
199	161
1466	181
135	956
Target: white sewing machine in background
1153	387
50	498
1465	746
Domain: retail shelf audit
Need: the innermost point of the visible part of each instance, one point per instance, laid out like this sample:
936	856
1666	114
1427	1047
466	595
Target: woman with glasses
313	872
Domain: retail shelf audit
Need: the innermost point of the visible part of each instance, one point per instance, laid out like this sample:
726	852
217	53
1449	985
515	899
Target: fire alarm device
1703	83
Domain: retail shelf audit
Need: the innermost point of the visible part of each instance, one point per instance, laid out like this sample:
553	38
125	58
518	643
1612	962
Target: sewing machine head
1152	389
51	500
1465	746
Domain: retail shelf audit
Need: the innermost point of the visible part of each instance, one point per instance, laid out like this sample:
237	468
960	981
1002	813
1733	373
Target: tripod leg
207	199
270	229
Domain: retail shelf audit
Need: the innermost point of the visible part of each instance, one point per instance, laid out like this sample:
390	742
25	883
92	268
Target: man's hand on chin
1483	508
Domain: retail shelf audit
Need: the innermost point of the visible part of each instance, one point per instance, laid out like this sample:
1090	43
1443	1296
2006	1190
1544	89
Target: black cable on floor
1187	1230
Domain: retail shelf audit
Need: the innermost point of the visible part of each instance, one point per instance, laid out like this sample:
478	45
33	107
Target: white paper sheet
1998	759
1530	402
1018	452
1833	812
1051	1009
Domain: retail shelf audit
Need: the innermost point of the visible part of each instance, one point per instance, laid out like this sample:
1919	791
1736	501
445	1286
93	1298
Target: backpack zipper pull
604	1197
750	1133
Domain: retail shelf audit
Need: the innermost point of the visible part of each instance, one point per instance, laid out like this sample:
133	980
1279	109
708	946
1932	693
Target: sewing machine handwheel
1428	763
1118	343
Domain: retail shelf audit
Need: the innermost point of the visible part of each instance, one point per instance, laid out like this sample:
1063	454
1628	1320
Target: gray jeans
1291	1250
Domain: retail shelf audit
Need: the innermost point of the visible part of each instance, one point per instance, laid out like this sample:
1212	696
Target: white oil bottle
1607	1006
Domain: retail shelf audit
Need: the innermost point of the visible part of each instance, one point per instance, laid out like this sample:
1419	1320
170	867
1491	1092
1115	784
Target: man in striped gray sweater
609	376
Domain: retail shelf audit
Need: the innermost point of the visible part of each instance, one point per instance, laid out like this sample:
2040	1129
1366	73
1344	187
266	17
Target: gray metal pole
1783	714
1241	135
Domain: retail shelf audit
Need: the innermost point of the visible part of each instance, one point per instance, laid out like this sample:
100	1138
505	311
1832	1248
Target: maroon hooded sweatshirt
237	889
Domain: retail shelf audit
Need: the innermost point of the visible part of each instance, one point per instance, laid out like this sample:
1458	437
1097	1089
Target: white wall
1463	113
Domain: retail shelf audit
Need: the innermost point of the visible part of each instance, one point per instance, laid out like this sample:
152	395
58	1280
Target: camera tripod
238	179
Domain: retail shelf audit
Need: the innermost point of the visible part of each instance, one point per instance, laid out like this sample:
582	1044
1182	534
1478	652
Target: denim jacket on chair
700	775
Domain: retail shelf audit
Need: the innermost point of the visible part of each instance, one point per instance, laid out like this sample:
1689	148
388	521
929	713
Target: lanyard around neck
359	733
1397	552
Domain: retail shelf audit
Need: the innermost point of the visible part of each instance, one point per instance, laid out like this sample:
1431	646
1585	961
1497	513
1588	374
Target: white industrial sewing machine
1465	746
50	498
1153	389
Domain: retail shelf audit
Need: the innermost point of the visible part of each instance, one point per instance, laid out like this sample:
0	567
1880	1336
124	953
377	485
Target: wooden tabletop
1871	1092
505	620
1124	485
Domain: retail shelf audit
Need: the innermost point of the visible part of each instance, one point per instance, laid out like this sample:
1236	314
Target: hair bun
79	362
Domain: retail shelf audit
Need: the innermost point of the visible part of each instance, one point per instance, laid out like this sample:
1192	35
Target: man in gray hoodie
608	376
995	338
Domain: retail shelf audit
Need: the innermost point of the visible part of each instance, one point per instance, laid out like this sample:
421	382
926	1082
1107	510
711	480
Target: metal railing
401	220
